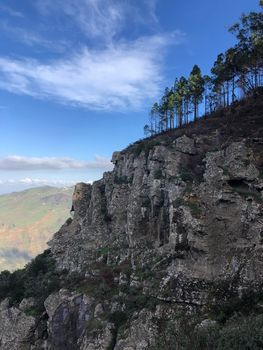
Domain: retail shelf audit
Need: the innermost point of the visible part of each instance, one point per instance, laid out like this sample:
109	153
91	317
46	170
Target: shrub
195	209
103	251
244	190
146	147
38	279
178	202
119	180
186	175
249	193
146	203
242	334
94	325
118	318
239	334
158	174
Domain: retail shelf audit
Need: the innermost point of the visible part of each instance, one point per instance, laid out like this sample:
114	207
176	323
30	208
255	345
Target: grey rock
207	323
27	304
173	222
4	305
144	207
141	333
16	329
115	157
186	145
68	315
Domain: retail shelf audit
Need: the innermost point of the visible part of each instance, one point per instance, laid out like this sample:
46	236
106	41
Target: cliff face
196	199
179	220
197	203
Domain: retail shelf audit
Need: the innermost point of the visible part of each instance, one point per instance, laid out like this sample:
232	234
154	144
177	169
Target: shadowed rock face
187	207
68	316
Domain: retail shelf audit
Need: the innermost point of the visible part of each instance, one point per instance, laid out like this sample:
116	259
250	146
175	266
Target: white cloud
12	163
97	18
114	72
101	18
124	75
43	182
38	182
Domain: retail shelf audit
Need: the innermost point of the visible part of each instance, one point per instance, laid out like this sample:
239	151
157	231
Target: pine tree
181	100
170	106
164	110
240	68
155	118
196	84
249	32
208	94
232	71
146	130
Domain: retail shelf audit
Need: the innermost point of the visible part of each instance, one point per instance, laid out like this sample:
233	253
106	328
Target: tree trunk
233	89
195	110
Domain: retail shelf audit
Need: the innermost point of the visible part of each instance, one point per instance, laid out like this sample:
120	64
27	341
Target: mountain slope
164	252
27	221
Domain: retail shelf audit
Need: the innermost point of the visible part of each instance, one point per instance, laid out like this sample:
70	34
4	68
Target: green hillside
28	219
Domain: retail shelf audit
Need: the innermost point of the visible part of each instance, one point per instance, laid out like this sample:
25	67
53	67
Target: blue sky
78	77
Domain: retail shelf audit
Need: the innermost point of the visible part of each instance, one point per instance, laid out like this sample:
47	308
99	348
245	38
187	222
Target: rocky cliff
175	229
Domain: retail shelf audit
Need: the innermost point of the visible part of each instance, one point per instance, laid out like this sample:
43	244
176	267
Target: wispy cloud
107	69
97	18
52	163
10	11
151	7
30	38
101	18
124	75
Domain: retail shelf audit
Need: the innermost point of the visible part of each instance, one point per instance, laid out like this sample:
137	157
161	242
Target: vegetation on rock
235	74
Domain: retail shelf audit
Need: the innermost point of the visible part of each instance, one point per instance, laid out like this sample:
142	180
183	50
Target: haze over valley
28	219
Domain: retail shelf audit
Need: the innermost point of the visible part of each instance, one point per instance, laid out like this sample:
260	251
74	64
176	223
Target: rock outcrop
16	328
201	207
177	225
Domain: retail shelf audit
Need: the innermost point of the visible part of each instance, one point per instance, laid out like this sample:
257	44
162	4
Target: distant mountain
28	219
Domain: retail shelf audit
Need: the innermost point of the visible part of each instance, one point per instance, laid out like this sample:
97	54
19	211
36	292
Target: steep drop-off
167	244
28	220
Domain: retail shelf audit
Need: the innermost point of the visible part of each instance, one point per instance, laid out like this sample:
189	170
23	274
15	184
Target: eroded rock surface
16	329
157	200
177	224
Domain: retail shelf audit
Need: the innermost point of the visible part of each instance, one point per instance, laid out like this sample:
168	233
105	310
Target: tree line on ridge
235	73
